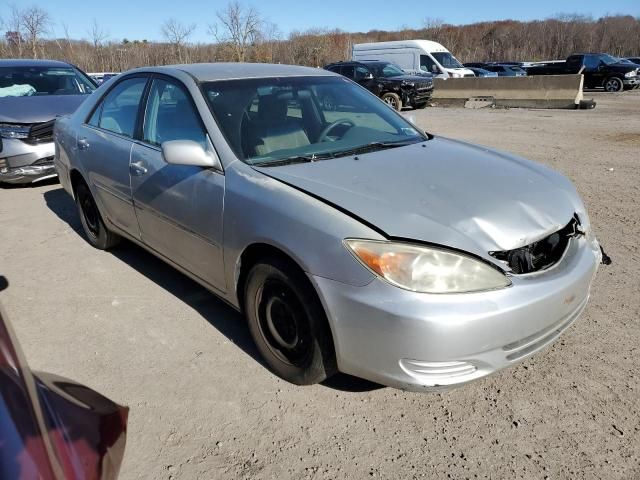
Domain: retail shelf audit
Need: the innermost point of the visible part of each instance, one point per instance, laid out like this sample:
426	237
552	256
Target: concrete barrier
539	91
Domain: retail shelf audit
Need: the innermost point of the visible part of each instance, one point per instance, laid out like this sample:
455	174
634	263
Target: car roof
25	62
210	72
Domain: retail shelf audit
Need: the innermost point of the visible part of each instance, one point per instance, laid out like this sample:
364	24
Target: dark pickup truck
599	69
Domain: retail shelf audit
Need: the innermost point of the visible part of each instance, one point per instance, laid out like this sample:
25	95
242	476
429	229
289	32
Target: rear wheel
393	100
288	324
94	228
613	84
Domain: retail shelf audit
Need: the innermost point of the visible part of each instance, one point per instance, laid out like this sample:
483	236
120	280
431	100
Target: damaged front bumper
22	162
426	342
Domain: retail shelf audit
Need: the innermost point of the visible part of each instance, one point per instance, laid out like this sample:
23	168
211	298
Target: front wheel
98	235
288	324
393	100
613	84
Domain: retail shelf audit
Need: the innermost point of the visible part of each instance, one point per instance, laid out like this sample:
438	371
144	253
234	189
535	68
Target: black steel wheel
288	324
94	228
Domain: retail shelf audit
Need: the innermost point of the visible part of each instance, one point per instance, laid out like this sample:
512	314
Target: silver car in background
32	94
350	240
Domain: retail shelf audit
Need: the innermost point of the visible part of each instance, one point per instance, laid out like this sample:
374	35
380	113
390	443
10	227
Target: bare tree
36	23
177	34
14	34
97	34
238	26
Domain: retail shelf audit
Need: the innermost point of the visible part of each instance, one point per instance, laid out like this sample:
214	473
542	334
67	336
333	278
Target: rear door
104	145
179	207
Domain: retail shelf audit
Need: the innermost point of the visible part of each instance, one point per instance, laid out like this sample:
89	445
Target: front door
104	147
179	207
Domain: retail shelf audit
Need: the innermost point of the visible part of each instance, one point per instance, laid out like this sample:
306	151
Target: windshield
608	59
386	70
35	81
270	120
446	60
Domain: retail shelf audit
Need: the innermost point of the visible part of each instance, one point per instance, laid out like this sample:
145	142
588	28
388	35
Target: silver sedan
350	240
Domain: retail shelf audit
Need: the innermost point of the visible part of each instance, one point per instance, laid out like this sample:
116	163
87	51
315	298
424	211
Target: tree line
241	33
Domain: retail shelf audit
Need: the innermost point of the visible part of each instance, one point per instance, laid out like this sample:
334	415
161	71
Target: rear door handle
138	168
83	144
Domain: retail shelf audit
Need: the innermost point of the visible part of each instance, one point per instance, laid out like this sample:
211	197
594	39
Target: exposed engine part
542	254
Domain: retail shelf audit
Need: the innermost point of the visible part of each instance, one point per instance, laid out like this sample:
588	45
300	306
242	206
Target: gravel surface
203	405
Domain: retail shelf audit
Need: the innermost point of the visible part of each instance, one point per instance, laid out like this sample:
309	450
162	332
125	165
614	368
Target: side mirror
435	69
188	152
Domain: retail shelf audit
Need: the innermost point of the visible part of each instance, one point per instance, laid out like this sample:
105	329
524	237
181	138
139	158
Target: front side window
274	119
428	65
361	73
446	60
43	81
119	109
591	62
170	115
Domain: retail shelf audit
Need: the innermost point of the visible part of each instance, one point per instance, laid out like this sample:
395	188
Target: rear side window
170	115
348	71
120	107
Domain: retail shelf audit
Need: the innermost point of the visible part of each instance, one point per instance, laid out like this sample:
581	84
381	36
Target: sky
142	19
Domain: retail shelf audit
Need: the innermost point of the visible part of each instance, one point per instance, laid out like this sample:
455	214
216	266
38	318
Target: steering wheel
331	126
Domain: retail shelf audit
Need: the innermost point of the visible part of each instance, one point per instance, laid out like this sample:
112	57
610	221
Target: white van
413	56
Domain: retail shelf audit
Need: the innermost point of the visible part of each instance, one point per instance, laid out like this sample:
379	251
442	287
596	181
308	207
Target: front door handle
83	144
138	168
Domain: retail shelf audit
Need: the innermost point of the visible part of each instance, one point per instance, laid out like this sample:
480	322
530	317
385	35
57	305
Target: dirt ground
204	407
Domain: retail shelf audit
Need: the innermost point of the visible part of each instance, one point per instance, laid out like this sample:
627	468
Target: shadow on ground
220	315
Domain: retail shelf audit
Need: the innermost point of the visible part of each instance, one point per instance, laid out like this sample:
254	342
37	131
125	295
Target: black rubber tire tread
105	238
322	364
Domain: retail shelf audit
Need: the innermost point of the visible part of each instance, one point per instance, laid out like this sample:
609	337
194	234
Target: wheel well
76	178
252	255
260	251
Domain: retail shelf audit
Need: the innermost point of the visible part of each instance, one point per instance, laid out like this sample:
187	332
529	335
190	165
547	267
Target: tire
96	232
288	324
393	100
613	84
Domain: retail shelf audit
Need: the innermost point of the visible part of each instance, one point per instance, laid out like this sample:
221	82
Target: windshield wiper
293	159
371	147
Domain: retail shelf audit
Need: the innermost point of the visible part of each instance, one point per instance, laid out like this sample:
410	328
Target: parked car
101	77
350	239
32	94
385	80
413	56
505	70
599	69
481	72
52	427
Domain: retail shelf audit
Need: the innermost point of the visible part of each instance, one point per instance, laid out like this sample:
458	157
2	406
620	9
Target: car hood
622	67
37	109
442	191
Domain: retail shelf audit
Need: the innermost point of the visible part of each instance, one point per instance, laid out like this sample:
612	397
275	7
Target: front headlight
630	74
8	130
456	75
426	269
